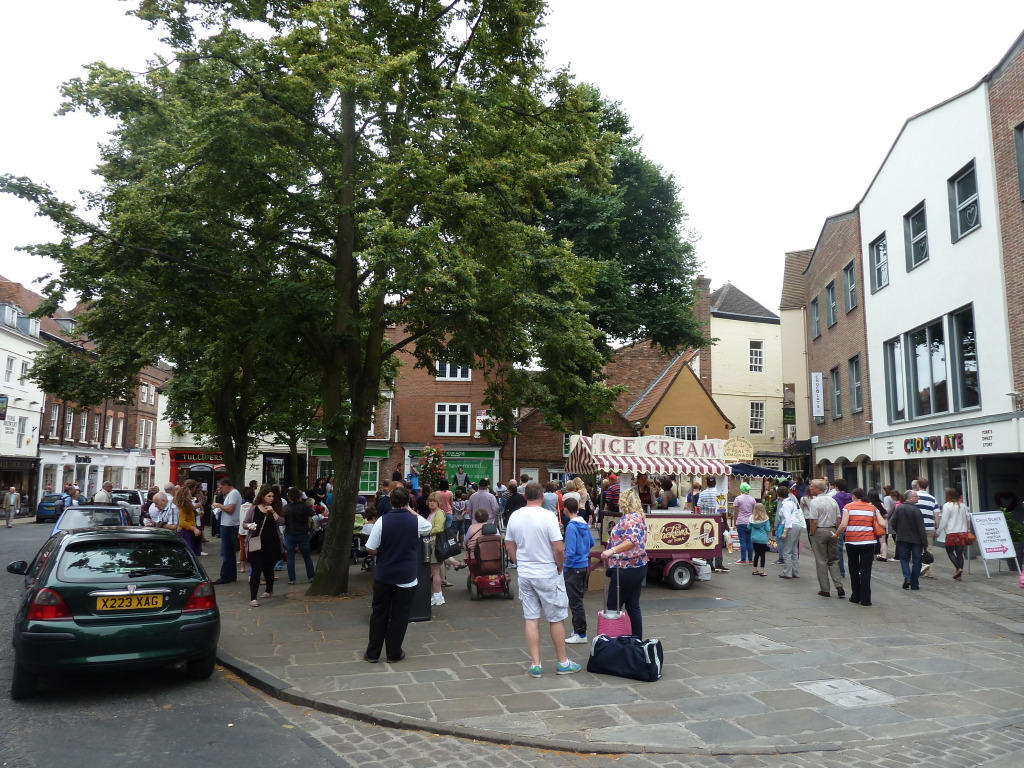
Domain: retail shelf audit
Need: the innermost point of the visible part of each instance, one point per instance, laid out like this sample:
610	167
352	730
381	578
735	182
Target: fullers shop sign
950	442
658	447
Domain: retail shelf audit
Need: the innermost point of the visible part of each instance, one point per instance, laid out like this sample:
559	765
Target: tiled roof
647	401
28	301
730	300
793	278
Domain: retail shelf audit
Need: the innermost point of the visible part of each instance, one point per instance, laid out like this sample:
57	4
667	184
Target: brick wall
838	245
1006	107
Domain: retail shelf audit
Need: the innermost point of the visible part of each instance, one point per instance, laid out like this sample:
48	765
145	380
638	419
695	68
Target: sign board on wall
818	395
993	536
738	449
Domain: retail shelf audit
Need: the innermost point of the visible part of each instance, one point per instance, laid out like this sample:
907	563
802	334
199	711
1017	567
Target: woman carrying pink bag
626	561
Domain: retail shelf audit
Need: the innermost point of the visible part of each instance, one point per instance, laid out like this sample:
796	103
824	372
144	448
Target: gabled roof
648	400
793	279
732	303
28	301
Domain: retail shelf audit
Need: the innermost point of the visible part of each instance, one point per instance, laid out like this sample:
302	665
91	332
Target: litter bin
420	609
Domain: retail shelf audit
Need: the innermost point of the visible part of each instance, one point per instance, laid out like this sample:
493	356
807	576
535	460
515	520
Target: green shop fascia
476	464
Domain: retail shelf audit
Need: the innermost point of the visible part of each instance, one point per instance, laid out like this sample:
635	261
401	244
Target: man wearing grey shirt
823	517
229	522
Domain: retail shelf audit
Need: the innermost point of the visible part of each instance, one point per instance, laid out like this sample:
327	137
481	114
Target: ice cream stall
675	537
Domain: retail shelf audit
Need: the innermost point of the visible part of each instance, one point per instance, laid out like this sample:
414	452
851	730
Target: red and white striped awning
583	461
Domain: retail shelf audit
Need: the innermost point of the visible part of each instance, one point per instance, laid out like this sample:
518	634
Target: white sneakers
437	599
575	639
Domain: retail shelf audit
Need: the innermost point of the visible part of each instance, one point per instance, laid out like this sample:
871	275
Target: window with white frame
849	287
831	311
757	417
928	374
964	215
69	423
142	433
682	433
815	319
24	373
915	231
22	429
9	370
108	436
756	356
856	390
83	425
879	264
565	443
451	372
120	432
148	443
96	428
54	419
152	394
143	393
837	393
451	418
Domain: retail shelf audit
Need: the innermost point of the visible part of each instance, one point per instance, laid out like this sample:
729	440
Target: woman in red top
859	518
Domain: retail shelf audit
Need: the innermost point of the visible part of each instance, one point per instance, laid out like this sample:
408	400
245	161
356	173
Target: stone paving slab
465	669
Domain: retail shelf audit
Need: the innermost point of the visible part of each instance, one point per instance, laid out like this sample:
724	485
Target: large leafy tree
632	233
368	175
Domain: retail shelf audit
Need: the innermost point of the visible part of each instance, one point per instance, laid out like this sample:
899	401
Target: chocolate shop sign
934	443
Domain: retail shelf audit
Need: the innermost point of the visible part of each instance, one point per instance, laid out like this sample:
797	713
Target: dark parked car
107	599
48	508
92	516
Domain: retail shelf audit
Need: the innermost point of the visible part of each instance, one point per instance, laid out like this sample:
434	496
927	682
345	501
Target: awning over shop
584	460
754	471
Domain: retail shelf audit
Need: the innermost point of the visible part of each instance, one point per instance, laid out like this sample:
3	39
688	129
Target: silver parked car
134	498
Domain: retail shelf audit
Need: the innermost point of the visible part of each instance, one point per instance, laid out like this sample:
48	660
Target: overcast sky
771	116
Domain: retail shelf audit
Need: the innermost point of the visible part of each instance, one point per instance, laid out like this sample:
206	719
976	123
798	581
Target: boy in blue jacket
578	541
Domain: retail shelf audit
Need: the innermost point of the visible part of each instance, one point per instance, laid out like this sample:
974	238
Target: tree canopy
315	173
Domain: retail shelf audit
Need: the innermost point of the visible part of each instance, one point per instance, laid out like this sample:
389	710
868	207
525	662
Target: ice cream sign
656	446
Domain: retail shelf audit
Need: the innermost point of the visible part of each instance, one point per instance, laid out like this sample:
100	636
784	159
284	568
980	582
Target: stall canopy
754	471
659	455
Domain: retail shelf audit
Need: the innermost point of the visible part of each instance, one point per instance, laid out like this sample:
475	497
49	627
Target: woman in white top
951	529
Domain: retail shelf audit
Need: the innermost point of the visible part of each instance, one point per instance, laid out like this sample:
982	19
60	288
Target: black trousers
261	563
759	552
626	584
859	559
389	619
575	584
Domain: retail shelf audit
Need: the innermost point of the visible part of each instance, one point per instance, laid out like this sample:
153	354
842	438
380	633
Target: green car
104	599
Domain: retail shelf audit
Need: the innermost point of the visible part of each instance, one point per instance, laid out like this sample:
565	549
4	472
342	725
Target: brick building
837	349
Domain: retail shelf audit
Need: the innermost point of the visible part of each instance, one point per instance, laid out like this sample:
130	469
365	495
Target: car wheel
40	519
202	668
680	576
23	683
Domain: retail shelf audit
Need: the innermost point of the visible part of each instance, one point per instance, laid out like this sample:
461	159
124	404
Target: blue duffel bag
627	656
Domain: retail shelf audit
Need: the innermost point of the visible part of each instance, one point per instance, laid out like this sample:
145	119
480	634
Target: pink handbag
1021	586
613	623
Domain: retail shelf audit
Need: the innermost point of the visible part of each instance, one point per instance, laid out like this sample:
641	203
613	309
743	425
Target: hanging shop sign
934	443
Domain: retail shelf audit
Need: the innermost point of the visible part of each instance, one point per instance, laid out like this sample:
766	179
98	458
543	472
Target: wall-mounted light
1016	399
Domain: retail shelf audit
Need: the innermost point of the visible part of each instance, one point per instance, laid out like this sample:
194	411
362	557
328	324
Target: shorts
547	595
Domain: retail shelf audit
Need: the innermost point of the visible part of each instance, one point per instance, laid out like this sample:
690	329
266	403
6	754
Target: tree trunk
333	567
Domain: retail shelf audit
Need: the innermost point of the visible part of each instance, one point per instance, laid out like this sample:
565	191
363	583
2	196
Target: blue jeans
302	542
228	547
910	561
746	548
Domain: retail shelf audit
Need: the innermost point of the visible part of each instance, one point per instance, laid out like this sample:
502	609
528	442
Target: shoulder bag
254	543
446	544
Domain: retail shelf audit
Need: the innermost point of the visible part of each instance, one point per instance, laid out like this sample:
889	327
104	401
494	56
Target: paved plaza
755	668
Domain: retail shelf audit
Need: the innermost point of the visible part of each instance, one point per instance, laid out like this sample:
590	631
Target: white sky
771	116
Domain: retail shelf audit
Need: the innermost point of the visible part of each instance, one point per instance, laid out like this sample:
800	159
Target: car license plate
129	602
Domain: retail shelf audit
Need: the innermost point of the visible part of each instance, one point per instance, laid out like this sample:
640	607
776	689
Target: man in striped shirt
928	505
707	504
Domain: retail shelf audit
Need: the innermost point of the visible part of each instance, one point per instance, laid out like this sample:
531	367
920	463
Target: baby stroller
488	565
360	553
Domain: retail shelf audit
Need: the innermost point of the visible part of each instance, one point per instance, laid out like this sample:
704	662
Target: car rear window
89	518
124	560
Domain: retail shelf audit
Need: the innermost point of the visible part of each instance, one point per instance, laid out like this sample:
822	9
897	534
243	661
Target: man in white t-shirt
534	542
230	519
